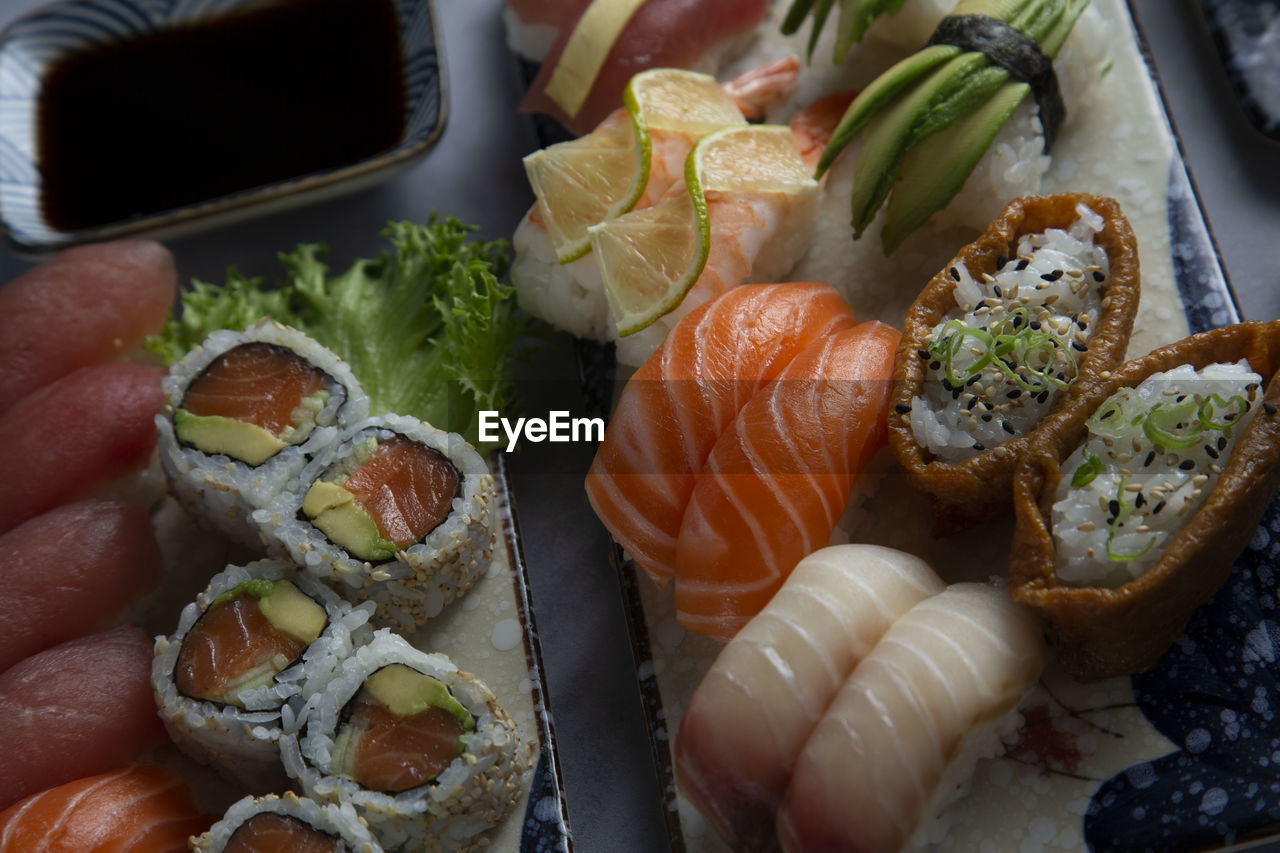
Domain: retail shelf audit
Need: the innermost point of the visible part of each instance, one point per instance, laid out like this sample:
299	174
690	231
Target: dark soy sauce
187	115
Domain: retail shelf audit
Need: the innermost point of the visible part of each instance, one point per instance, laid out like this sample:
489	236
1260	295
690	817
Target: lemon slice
602	175
650	258
584	53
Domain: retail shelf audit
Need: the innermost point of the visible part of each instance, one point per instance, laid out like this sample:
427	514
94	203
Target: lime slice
602	175
650	258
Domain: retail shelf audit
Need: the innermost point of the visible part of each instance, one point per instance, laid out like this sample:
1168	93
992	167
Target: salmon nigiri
779	477
143	808
686	394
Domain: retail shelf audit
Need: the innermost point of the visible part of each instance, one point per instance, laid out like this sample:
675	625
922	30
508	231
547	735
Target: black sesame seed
923	353
977	445
1014	394
1222	442
1082	324
986	419
1042	396
1181	397
995	288
1151	457
934	365
1098	276
902	408
974	378
1139	500
1187	464
1007	427
1023	264
1000	262
1034	324
1052	276
1211	450
1155	510
955	393
954	273
1113	506
1109	413
973	401
1268	408
1076	345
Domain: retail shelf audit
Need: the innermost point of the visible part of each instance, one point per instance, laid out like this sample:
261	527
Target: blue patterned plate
33	44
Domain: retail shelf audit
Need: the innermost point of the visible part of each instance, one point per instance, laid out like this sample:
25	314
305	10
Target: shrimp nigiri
779	477
677	404
943	675
751	714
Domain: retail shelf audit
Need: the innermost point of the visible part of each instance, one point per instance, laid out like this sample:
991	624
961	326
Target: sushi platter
594	648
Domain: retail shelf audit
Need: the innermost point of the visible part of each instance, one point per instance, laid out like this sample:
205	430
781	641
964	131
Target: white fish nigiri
946	672
748	719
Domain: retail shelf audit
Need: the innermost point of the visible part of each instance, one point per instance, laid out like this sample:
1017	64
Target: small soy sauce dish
164	117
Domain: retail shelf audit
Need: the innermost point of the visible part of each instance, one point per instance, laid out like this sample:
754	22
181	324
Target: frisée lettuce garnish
427	328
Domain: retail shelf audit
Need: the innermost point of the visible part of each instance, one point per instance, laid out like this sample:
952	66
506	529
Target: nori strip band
1016	52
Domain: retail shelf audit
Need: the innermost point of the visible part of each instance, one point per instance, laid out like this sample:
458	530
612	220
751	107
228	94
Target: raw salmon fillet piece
256	383
77	709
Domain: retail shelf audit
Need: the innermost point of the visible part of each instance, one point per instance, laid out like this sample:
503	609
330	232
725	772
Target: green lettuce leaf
428	328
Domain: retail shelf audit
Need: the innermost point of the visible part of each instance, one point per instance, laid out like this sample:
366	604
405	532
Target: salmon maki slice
253	401
142	808
246	638
272	833
102	300
402	729
287	824
76	435
402	488
779	477
676	405
72	571
77	709
748	720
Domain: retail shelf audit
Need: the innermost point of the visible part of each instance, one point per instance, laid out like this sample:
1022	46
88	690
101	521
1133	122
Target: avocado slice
287	608
335	512
405	692
249	443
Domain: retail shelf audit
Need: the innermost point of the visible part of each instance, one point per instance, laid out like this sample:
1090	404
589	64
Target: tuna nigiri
143	808
941	678
750	716
779	477
661	33
76	709
84	306
72	571
676	405
82	431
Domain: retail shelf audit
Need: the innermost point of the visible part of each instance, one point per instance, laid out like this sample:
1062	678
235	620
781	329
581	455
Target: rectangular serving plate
1100	765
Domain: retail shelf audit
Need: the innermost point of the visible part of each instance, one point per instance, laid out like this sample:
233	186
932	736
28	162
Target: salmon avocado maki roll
256	636
422	750
243	413
395	511
287	824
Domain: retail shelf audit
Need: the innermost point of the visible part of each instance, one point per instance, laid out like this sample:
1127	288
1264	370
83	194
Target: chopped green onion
1236	407
1173	426
1089	469
1126	510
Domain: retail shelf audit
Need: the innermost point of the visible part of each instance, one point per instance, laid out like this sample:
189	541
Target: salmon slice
60	443
398	753
84	306
73	571
407	488
779	477
229	642
676	405
747	722
77	709
274	833
143	808
256	383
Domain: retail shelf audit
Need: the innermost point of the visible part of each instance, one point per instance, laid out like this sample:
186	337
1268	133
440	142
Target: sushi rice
241	743
1123	494
340	821
222	491
421	579
1048	295
477	789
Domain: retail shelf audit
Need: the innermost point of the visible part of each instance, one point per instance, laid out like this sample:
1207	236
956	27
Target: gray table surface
474	173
